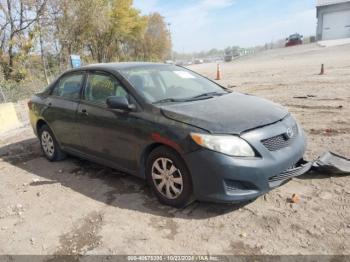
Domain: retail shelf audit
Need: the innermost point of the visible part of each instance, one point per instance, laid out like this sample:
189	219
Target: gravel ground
77	207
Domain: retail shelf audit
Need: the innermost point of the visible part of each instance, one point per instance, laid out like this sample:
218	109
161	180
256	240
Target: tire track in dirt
329	131
315	107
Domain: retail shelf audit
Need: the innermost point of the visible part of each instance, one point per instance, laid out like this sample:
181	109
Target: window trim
83	73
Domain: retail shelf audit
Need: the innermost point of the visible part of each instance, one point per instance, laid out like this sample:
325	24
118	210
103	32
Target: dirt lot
76	206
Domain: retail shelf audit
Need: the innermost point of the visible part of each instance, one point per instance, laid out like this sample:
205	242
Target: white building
333	19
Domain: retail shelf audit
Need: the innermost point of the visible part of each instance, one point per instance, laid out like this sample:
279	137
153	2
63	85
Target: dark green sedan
189	137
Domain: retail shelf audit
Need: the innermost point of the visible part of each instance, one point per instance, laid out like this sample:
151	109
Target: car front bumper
221	178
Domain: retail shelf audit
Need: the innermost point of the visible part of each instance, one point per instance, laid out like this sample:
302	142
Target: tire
49	145
173	186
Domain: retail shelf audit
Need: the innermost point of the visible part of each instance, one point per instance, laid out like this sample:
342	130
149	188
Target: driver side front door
107	134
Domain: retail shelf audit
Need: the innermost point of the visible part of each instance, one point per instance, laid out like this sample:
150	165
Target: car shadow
101	183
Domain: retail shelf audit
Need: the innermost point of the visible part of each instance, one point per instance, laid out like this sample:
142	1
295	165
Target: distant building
245	51
333	19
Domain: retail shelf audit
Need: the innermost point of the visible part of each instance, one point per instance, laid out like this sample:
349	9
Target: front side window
99	87
69	86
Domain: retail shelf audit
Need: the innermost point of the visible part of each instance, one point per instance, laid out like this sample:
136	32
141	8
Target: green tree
101	27
98	30
157	43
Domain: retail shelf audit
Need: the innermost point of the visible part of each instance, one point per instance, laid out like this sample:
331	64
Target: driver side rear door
61	109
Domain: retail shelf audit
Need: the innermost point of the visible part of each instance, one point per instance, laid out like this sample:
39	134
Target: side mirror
119	102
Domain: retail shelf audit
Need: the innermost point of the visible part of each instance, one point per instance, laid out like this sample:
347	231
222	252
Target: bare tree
18	20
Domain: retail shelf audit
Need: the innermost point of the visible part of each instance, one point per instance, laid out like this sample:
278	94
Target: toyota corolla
189	137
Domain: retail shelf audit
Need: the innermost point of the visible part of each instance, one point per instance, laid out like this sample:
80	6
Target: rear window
69	86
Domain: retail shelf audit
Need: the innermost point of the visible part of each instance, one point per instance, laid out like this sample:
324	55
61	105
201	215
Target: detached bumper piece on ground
328	163
332	163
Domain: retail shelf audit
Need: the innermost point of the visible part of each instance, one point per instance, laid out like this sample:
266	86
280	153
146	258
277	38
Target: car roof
118	66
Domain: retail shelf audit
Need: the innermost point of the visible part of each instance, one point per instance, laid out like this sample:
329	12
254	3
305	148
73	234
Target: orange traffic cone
322	69
218	72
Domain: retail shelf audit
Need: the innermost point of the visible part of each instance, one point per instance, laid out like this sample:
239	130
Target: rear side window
99	87
69	86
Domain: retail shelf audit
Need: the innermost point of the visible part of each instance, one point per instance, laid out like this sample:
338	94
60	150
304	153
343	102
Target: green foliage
15	91
39	35
112	30
157	44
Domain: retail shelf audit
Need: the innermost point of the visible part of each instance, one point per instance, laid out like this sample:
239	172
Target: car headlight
226	144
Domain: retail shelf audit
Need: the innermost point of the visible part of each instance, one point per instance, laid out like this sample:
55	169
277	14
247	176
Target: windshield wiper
206	95
168	100
201	96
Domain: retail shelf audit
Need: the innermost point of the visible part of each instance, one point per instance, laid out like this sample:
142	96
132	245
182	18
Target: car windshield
293	37
169	83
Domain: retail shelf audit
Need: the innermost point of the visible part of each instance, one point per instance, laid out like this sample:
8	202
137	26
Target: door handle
49	104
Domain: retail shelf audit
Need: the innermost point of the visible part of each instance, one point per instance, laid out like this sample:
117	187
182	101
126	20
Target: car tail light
30	103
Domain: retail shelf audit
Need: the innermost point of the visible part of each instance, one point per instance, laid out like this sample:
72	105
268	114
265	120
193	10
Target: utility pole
171	48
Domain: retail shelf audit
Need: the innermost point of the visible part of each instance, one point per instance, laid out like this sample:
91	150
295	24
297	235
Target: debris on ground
304	97
32	241
329	130
295	199
243	234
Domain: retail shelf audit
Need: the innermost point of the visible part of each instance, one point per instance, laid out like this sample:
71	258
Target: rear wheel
49	145
169	177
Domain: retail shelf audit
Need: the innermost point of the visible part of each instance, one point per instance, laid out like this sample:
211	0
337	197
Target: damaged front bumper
329	163
222	180
302	168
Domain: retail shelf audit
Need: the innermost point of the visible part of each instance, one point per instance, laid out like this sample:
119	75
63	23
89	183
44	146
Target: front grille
281	141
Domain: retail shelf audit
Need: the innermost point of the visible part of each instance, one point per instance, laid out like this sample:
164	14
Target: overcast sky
198	25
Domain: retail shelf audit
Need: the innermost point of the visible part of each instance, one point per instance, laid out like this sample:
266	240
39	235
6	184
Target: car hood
233	113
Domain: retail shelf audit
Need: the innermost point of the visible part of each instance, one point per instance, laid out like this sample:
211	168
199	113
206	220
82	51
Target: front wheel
169	177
